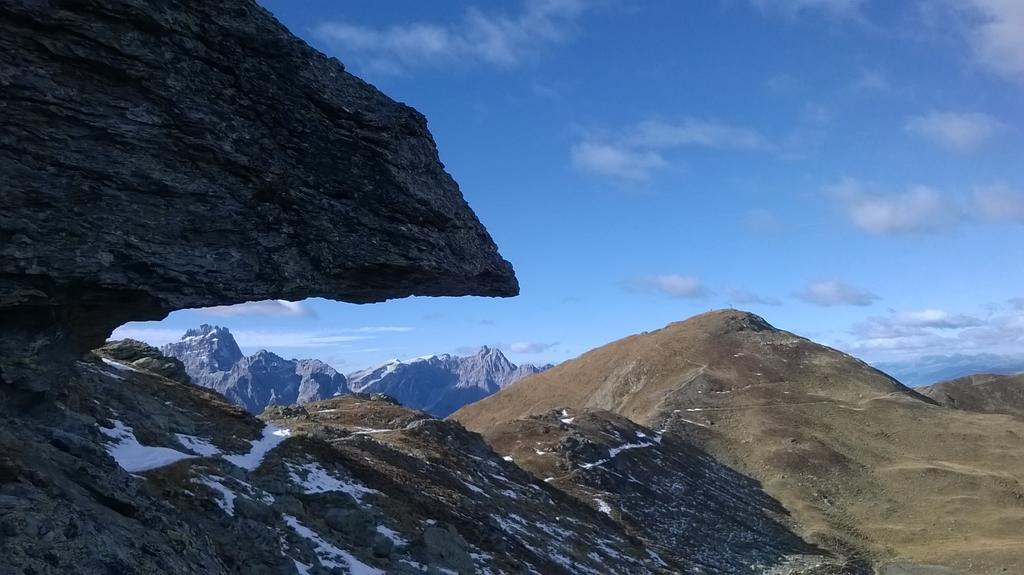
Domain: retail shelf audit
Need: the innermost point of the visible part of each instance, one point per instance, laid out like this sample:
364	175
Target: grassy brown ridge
861	462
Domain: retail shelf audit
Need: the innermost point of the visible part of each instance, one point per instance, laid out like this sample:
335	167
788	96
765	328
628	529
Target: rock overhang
157	158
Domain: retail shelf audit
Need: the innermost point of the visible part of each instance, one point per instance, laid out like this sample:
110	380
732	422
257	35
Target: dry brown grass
859	460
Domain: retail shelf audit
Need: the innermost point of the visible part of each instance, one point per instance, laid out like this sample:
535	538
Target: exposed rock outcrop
159	155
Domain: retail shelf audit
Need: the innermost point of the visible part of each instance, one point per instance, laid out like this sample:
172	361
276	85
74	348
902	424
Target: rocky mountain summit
212	359
867	468
159	156
440	384
983	392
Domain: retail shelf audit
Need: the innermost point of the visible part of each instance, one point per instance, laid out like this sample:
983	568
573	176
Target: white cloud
259	339
999	203
955	131
154	336
840	9
907	335
489	38
616	161
266	307
671	285
834	292
996	33
913	324
918	210
529	347
638	151
697	132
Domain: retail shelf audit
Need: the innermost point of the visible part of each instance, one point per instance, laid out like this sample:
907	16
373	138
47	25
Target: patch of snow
617	450
315	479
474	488
393	535
226	501
197	445
693	422
132	456
330	556
508	458
603	506
541	452
118	365
272	437
548	479
568	420
301	567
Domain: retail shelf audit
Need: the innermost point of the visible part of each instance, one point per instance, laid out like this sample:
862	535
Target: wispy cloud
528	347
269	339
671	285
904	335
638	151
840	9
616	161
999	202
996	34
955	131
901	324
277	307
922	209
829	293
483	37
918	210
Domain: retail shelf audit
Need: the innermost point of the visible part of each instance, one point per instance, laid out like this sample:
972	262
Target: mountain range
213	360
437	384
440	384
864	465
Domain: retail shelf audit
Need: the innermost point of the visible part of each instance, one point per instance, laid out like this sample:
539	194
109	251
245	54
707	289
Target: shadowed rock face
160	155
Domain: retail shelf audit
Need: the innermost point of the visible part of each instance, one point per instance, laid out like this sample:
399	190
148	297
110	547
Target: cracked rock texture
160	155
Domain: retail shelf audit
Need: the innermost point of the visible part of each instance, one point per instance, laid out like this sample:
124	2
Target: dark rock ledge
158	155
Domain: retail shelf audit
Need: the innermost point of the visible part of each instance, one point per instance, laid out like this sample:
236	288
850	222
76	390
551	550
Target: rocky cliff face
441	384
213	360
160	155
137	473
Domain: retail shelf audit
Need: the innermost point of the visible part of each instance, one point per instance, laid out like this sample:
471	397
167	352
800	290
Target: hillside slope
984	392
862	463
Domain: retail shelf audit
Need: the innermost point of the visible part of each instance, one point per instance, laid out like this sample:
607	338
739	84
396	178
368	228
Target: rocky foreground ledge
159	155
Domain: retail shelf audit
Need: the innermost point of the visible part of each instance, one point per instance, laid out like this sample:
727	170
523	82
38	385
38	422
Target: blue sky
851	170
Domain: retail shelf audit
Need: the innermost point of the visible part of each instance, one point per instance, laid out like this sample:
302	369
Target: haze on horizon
848	169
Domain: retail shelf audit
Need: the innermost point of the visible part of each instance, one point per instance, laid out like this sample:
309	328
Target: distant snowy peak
440	384
213	360
208	348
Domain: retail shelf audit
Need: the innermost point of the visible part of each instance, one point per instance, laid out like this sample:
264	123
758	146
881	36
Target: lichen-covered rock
144	356
159	155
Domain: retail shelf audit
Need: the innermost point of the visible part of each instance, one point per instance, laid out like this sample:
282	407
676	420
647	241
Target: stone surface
389	489
159	156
